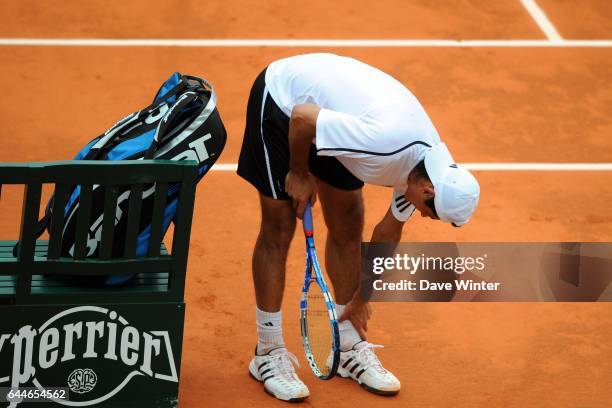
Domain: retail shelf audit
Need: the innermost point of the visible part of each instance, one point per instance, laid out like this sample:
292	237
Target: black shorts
264	157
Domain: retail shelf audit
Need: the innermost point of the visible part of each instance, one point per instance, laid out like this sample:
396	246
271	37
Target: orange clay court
491	104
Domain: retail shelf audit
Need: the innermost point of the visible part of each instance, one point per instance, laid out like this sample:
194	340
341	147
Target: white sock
348	335
269	330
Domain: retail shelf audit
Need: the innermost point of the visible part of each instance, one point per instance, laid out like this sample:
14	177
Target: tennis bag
182	123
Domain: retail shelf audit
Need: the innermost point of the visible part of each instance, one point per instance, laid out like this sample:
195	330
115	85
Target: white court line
542	20
495	166
539	166
178	42
225	167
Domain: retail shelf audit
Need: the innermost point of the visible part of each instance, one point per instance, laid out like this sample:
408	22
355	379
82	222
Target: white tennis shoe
362	365
275	369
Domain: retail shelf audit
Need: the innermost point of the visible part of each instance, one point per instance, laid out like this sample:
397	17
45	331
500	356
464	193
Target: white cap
456	189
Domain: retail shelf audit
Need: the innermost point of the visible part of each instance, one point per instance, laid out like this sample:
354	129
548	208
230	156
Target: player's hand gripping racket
318	319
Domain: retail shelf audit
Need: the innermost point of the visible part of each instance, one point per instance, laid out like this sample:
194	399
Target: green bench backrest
108	175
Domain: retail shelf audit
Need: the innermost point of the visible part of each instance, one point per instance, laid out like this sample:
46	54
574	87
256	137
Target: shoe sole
371	389
299	399
379	392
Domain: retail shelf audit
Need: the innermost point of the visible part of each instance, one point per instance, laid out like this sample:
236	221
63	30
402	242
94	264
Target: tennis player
322	124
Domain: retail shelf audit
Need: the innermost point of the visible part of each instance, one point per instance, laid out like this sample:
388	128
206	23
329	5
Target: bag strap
95	150
163	125
130	120
204	83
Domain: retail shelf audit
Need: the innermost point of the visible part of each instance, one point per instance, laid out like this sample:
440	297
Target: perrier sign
105	356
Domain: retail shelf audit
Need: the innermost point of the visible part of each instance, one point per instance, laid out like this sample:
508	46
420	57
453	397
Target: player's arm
358	311
389	229
302	130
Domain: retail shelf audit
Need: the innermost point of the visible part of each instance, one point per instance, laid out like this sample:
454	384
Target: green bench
105	347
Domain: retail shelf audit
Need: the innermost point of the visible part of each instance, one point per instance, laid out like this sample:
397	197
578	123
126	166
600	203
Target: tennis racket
318	320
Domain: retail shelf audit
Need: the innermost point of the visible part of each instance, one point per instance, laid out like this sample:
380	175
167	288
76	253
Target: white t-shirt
369	121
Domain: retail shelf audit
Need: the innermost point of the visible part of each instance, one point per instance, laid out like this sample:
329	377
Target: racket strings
319	328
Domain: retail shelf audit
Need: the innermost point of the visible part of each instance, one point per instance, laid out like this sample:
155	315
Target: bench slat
82	226
182	231
112	268
144	275
133	221
108	223
9	243
95	295
49	283
6	249
9	283
60	198
159	206
94	172
7	293
27	235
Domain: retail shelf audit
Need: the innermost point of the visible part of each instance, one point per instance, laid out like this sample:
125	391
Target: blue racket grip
307	220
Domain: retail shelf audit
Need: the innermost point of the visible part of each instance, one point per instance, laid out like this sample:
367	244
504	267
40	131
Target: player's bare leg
273	364
343	212
270	253
344	216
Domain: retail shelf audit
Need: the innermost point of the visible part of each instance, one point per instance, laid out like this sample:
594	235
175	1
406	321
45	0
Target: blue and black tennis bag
182	123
